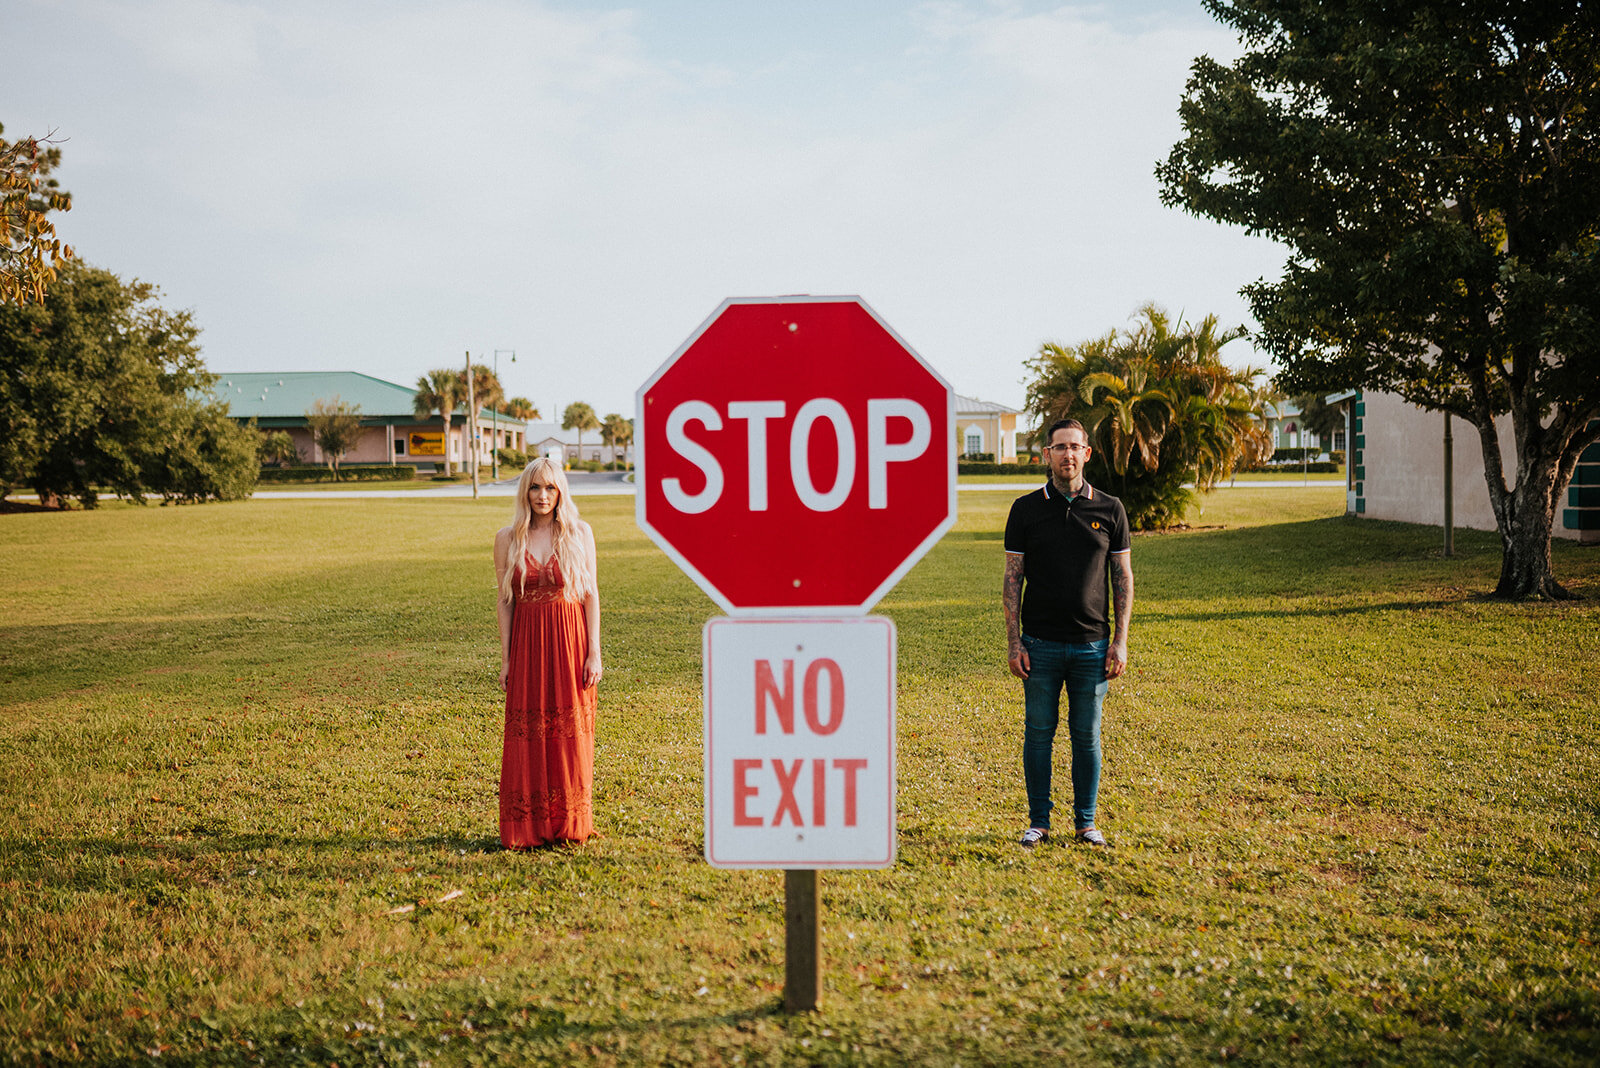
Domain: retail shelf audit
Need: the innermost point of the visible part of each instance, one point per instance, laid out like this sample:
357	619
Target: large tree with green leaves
1434	169
1161	409
103	391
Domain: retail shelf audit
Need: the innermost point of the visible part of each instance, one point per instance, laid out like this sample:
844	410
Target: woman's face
542	496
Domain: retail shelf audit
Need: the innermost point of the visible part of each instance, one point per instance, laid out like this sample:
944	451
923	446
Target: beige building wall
998	431
1401	473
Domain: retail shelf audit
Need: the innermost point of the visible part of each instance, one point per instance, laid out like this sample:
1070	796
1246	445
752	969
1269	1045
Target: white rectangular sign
799	743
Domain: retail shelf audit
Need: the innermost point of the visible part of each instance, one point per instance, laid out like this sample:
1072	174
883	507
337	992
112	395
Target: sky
386	186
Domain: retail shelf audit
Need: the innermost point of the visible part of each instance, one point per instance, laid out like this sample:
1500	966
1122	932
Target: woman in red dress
549	612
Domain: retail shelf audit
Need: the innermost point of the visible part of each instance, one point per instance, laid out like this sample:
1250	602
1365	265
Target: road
616	483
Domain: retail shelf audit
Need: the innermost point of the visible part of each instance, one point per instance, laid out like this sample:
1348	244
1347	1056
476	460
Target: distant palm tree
614	431
618	431
487	388
439	391
521	408
580	417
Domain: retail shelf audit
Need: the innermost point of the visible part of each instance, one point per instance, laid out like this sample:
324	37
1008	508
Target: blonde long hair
571	552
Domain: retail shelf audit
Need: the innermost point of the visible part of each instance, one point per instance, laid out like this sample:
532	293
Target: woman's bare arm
591	613
503	607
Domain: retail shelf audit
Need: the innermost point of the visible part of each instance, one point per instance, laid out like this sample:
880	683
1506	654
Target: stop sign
796	457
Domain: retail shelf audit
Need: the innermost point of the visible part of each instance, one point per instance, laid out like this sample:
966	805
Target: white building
1396	469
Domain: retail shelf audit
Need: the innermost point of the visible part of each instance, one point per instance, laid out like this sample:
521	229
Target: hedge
973	467
347	473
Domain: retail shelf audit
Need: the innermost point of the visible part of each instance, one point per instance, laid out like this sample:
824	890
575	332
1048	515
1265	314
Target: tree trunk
1525	567
1524	515
445	419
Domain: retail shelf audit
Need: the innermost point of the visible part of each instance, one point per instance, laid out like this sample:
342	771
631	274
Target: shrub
1160	408
347	473
970	467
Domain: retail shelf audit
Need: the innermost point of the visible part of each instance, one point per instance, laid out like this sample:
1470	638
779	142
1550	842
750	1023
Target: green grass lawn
1354	803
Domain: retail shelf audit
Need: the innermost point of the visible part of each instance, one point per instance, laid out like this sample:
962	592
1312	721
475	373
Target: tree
1160	407
277	447
489	392
1434	168
580	417
440	390
30	253
1318	416
335	427
614	431
521	408
103	391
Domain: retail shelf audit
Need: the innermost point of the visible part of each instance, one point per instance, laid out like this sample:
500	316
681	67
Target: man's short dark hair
1065	424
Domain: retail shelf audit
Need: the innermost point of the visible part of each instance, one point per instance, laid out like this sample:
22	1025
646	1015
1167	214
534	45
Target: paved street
616	483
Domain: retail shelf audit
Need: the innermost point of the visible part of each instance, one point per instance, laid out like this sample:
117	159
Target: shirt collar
1088	490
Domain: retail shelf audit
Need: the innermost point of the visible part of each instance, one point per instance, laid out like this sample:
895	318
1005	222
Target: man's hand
1019	660
1116	659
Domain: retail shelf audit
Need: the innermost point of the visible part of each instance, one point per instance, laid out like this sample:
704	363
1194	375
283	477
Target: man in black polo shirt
1064	542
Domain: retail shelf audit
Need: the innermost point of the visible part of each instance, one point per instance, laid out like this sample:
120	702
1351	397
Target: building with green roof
392	431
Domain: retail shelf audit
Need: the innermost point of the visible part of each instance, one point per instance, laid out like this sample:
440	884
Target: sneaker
1094	838
1033	836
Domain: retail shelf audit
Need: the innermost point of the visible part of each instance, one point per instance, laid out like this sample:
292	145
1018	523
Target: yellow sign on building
419	443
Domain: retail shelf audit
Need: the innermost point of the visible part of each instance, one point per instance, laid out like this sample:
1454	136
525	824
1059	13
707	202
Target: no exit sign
799	743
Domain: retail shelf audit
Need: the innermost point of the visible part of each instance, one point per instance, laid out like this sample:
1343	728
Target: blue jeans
1080	669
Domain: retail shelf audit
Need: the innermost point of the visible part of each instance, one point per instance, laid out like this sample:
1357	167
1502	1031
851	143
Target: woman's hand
505	675
591	670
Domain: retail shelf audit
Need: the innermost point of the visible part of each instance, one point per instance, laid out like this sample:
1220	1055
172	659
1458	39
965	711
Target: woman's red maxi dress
547	764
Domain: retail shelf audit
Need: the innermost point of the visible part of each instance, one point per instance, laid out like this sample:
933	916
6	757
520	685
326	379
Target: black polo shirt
1066	546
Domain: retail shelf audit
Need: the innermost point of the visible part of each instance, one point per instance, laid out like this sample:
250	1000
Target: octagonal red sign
796	457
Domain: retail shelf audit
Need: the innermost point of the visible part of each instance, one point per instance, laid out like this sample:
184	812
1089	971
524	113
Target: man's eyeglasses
1073	447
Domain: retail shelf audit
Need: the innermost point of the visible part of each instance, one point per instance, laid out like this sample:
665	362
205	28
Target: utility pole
494	469
472	427
1449	490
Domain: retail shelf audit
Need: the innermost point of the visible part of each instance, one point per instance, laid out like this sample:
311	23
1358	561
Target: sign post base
802	941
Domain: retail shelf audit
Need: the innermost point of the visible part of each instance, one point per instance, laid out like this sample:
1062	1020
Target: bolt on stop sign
796	457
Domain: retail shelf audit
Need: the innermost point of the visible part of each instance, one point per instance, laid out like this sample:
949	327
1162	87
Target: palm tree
1132	415
621	433
521	408
439	391
1161	409
580	417
614	431
489	392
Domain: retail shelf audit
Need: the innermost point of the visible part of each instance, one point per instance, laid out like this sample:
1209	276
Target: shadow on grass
80	862
535	1032
198	843
1156	615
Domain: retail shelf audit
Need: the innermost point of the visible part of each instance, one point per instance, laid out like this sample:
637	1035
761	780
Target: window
399	445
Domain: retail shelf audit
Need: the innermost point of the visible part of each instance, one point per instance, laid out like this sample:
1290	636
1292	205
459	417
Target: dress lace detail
547	763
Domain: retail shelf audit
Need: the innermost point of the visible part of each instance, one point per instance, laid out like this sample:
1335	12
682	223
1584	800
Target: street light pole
494	414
